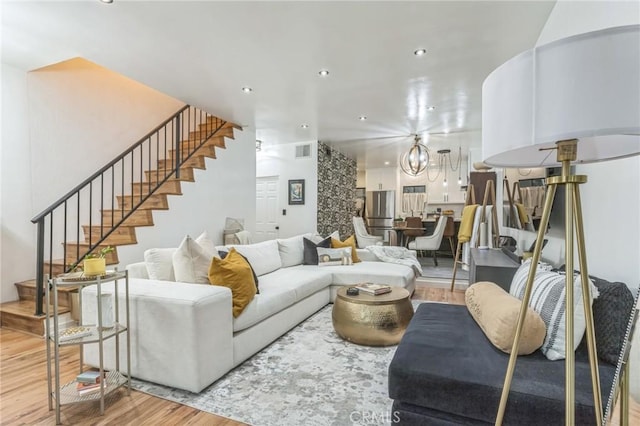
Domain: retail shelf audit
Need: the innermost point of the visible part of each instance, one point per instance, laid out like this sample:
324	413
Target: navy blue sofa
446	372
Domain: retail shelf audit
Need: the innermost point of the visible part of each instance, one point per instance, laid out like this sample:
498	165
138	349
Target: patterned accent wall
337	176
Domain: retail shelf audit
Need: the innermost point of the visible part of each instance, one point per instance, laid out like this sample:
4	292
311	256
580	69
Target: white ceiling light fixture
415	161
323	73
304	125
106	1
247	89
431	108
420	52
362	118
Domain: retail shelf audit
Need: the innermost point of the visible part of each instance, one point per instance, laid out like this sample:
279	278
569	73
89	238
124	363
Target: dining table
400	237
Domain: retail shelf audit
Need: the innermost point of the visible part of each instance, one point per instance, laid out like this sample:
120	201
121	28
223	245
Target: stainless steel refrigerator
381	208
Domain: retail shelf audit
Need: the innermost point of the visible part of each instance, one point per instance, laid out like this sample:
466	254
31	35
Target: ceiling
204	53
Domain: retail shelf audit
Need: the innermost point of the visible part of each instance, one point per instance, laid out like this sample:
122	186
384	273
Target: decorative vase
94	267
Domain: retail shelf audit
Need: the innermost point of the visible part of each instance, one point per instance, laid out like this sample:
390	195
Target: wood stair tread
27	308
19	316
63	289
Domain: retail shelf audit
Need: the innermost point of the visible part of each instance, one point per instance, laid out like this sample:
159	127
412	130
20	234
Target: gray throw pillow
611	311
310	250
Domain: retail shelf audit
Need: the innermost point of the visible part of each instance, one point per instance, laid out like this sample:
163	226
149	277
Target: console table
492	265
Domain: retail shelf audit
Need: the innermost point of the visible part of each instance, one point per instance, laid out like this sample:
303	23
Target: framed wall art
296	192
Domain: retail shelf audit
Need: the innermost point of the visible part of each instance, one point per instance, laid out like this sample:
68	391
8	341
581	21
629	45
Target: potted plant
95	263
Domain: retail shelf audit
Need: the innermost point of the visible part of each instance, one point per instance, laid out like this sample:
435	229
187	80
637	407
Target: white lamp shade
585	87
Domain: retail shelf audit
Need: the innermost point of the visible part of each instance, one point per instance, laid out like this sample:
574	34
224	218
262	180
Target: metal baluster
177	145
39	266
64	244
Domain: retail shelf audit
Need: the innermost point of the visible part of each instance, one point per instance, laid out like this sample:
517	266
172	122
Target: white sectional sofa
185	336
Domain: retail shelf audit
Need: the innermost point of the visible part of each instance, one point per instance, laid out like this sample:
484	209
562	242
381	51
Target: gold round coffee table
371	320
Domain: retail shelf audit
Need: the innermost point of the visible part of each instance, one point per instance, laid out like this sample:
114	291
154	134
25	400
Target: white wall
611	197
279	160
60	124
17	233
92	112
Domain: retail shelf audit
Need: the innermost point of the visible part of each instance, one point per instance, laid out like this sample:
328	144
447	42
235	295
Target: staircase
106	208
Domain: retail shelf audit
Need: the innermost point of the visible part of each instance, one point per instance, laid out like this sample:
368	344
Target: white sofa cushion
279	290
291	250
302	280
191	262
160	263
264	257
263	305
206	242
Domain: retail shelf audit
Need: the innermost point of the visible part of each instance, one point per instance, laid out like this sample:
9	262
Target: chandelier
444	160
415	161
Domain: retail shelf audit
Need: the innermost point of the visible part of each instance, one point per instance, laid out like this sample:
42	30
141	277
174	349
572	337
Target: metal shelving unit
63	394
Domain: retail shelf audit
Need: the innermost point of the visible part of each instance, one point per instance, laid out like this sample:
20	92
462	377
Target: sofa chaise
184	335
448	368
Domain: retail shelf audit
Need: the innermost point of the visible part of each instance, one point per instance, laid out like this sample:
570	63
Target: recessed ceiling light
446	131
304	126
324	73
247	89
362	118
420	52
431	108
386	163
106	1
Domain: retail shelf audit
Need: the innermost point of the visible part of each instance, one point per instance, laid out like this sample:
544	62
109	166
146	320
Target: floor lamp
580	97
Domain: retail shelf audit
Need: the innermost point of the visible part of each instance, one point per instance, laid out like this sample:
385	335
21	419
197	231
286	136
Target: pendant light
415	161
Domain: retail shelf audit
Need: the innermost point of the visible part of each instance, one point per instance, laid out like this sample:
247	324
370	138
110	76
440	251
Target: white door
266	208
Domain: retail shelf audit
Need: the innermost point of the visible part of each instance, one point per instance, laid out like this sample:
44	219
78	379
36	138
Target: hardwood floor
23	386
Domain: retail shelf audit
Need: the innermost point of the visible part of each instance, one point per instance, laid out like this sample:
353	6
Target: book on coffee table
374	289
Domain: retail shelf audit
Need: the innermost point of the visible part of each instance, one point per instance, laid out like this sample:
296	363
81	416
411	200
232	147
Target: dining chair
411	234
431	242
363	238
449	233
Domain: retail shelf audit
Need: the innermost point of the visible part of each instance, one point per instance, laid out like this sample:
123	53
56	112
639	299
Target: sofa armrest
181	334
138	270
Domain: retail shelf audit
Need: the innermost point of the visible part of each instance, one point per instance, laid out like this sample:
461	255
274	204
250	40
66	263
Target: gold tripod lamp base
566	153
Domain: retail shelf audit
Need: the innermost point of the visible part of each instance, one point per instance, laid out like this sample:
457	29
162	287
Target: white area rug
309	376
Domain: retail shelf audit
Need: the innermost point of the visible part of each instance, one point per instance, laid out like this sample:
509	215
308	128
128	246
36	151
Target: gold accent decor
94	267
372	320
567	151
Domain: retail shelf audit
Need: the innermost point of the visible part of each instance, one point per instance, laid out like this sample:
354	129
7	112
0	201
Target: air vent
303	151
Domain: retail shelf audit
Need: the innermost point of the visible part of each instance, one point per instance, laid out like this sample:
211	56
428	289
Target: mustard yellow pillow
496	312
235	273
349	242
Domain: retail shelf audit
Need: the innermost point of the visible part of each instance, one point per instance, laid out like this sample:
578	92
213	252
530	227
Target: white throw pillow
548	299
291	250
159	263
206	242
316	238
264	257
191	262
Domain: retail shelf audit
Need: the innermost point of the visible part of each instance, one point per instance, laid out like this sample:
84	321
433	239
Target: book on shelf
73	333
89	377
87	388
374	289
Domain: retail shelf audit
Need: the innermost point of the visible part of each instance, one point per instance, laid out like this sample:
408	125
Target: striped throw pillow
548	299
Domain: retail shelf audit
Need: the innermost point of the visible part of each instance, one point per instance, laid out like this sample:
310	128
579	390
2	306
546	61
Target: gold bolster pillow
496	312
